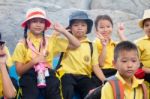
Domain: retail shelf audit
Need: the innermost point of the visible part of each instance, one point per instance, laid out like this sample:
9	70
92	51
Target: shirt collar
32	38
135	83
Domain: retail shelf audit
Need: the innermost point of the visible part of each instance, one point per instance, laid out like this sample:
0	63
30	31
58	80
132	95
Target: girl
105	45
34	54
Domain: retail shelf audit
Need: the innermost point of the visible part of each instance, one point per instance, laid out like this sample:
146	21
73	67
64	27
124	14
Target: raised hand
120	31
103	40
38	59
59	28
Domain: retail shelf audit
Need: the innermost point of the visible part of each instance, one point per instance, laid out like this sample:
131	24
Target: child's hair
102	17
124	45
25	37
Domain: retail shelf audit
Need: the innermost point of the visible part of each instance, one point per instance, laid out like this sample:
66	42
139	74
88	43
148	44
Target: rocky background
12	13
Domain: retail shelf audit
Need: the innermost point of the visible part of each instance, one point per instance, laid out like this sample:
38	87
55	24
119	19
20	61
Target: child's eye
124	61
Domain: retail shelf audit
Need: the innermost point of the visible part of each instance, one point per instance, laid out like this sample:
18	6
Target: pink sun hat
36	13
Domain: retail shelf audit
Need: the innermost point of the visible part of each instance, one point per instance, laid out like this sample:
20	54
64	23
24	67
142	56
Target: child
6	86
126	61
105	44
78	64
34	54
143	45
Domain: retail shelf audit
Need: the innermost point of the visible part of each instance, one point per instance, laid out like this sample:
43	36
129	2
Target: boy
78	64
126	61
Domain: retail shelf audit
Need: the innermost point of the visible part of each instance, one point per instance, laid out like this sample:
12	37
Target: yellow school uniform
79	61
54	45
9	63
143	45
107	92
109	54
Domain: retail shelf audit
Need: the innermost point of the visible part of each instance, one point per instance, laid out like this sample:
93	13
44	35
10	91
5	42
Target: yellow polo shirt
9	63
55	45
143	45
79	61
107	92
109	53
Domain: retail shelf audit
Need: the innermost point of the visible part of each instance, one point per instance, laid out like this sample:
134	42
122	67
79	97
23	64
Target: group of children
84	65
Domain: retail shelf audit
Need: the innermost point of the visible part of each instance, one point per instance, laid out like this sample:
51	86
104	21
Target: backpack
117	87
62	53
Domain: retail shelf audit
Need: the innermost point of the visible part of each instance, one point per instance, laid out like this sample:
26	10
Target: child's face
104	27
146	27
127	63
79	28
37	25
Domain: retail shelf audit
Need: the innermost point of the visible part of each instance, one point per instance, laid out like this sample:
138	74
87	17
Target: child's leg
28	85
52	87
68	83
84	85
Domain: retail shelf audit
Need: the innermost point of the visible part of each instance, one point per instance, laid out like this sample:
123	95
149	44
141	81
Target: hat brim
141	22
48	22
88	21
2	42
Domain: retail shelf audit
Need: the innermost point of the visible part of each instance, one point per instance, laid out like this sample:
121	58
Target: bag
140	74
117	89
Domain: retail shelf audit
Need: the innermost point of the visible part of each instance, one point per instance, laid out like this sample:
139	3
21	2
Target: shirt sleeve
19	53
9	61
60	45
95	55
107	92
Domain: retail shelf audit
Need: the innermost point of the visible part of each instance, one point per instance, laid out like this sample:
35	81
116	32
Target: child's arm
73	42
8	88
102	54
120	32
146	70
98	72
21	68
7	85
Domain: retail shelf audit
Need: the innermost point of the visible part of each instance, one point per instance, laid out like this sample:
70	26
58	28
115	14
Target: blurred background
12	13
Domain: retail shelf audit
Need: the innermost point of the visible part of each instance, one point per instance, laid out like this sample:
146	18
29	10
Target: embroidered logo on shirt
86	58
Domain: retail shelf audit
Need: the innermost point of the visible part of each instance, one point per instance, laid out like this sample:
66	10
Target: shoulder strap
59	61
117	87
144	91
91	48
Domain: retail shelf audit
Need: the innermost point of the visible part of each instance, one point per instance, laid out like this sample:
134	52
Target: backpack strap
145	96
91	48
59	61
117	87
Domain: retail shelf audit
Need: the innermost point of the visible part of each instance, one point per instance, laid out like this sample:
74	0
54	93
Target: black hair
124	45
102	17
25	35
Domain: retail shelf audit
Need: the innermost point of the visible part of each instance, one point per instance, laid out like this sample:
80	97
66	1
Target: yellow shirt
143	45
54	46
9	63
79	61
109	52
107	92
